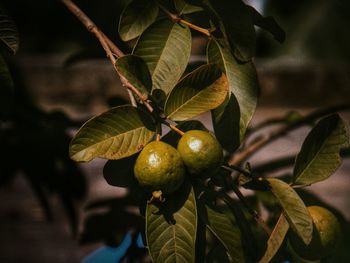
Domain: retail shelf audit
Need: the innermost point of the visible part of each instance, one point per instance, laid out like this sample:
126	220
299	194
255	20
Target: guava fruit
159	168
201	153
326	235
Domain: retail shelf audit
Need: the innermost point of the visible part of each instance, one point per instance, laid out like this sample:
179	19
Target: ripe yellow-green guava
159	168
201	153
326	235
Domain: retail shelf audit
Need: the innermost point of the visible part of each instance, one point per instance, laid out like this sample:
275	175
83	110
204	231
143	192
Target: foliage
227	86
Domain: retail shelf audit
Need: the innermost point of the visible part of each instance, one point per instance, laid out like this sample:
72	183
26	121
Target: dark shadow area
34	143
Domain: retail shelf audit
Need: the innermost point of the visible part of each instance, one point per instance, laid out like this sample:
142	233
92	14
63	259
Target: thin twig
251	149
230	184
254	213
132	98
110	48
178	19
284	162
264	140
236	169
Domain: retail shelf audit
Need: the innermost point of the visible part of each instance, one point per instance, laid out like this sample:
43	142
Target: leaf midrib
112	137
162	51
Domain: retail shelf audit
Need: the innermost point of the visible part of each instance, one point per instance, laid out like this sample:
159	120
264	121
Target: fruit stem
156	196
158	137
177	130
176	18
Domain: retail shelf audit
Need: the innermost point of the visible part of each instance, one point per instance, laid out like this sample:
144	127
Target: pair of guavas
161	167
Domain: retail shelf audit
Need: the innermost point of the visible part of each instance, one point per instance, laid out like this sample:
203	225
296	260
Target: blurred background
53	210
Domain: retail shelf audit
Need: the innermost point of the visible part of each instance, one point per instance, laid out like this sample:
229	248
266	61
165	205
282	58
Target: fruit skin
326	236
201	153
159	167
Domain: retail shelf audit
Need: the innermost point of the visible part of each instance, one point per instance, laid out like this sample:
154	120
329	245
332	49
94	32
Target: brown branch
280	163
110	48
177	19
263	141
254	147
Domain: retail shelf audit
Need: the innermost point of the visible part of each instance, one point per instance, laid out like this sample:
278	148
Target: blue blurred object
139	241
107	254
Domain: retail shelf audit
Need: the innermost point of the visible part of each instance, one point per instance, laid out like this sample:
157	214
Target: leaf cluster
201	222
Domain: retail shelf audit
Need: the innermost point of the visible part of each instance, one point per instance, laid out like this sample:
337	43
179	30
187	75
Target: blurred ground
81	91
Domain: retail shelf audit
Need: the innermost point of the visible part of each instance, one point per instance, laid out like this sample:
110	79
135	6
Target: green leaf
294	208
217	254
165	46
115	134
184	8
226	119
8	32
159	96
120	172
136	17
5	76
267	23
243	83
319	155
236	24
135	70
276	239
171	229
202	90
225	230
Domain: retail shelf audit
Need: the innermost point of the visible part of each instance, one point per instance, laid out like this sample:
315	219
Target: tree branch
266	139
283	162
110	48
